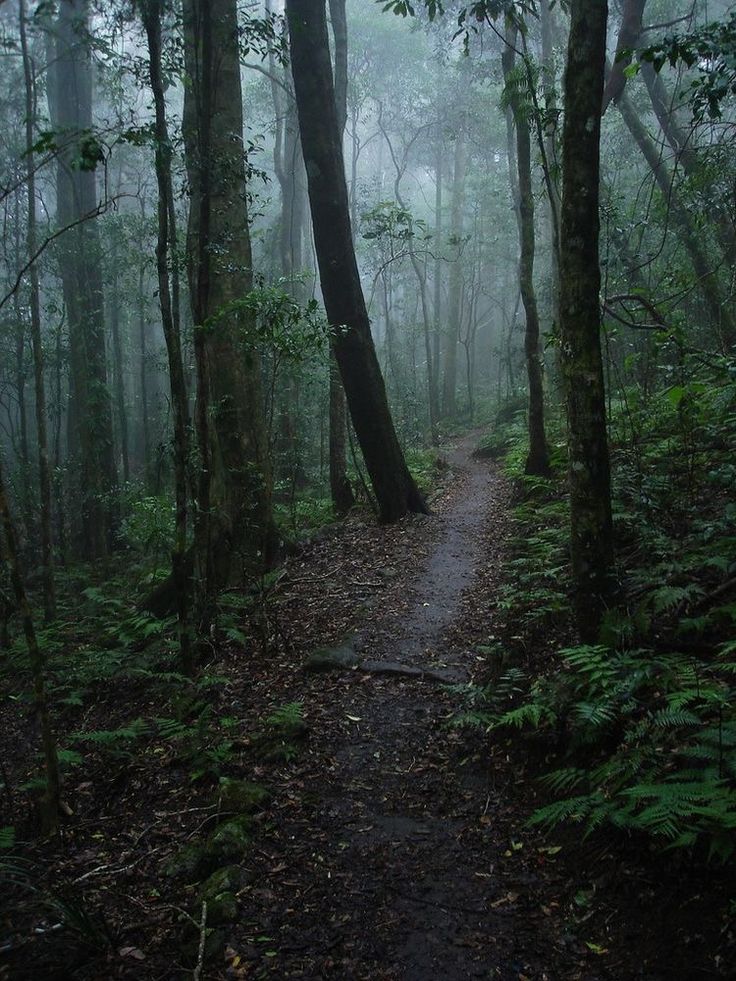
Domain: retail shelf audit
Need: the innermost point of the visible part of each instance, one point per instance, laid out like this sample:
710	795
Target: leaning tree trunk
718	305
235	537
537	461
91	429
340	488
580	319
394	486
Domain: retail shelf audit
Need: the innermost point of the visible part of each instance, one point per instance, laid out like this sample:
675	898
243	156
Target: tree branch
95	213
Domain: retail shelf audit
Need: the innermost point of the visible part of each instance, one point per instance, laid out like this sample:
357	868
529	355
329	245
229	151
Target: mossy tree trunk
537	461
580	319
234	526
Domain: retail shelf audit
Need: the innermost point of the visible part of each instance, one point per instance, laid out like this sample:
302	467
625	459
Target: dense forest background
515	220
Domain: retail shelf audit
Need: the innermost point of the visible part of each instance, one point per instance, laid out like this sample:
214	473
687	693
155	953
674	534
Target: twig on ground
202	937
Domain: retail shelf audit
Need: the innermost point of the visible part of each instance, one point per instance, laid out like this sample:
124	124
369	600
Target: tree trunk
580	320
537	461
341	491
546	14
452	330
118	367
70	104
166	244
235	537
49	803
143	368
341	288
44	474
718	307
437	299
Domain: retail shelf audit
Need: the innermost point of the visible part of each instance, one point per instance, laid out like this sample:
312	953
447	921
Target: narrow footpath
391	855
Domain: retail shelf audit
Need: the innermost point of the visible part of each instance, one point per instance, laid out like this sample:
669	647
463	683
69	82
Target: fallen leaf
133	952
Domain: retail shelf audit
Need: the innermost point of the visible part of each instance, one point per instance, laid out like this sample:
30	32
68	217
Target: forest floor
394	845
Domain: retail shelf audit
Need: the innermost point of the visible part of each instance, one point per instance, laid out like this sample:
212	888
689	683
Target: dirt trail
395	859
450	569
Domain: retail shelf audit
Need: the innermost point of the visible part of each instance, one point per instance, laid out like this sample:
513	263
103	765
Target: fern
285	716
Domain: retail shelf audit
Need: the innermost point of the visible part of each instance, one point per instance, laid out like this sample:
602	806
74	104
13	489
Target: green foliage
198	736
285	716
711	52
304	513
389	220
658	733
270	318
116	742
282	732
423	465
148	528
646	720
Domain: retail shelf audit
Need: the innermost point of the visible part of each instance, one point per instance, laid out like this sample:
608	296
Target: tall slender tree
44	471
80	262
580	318
451	332
340	488
151	13
311	66
537	461
49	802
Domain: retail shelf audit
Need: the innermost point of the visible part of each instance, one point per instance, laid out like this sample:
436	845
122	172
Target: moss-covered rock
242	796
342	658
188	863
219	892
230	841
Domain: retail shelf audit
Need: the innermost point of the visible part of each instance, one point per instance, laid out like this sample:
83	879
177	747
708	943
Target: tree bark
452	330
591	538
151	11
341	490
546	14
49	803
437	298
70	104
44	473
394	486
118	367
717	305
537	461
235	533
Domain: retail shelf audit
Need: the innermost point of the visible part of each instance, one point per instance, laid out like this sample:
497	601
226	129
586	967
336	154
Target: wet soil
395	845
403	859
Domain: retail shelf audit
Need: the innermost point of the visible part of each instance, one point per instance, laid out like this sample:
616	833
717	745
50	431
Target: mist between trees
259	263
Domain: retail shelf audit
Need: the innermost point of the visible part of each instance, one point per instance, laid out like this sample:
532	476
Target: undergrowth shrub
643	725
